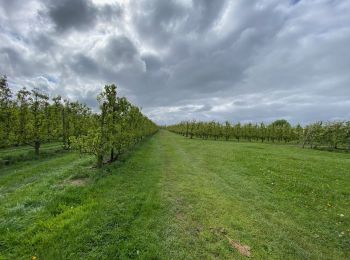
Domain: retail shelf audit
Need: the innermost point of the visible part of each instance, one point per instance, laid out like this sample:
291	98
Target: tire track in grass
151	216
221	193
212	200
288	227
126	214
185	240
227	189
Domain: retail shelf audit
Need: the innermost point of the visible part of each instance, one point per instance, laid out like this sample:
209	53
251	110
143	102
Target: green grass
176	198
14	155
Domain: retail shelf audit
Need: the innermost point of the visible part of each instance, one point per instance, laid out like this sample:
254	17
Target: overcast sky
179	59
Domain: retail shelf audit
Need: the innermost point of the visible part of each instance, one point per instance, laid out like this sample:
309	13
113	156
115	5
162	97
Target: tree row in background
334	135
31	118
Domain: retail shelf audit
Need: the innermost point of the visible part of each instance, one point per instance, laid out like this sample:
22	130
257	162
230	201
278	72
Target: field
177	198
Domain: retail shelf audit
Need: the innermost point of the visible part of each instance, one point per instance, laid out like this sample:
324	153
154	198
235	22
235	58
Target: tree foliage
119	126
333	135
31	118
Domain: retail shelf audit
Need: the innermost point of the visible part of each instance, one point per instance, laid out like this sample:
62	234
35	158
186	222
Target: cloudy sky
241	60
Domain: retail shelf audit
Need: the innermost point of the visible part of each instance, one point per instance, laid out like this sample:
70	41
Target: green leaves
333	135
32	119
118	126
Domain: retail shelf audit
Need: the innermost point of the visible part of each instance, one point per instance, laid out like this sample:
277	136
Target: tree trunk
64	128
112	155
103	137
37	147
99	161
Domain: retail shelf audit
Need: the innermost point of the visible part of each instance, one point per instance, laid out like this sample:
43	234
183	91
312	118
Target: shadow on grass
333	150
11	159
291	144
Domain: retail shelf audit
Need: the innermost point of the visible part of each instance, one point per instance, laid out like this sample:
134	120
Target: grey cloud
13	6
84	65
16	62
240	103
119	50
158	19
80	14
8	6
110	12
153	63
87	97
210	60
67	14
43	42
116	60
207	13
204	108
294	2
211	66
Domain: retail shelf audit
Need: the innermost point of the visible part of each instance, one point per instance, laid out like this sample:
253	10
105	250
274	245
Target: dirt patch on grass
179	216
78	182
179	209
242	249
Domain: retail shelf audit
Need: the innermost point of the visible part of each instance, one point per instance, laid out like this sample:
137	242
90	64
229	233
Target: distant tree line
334	135
29	117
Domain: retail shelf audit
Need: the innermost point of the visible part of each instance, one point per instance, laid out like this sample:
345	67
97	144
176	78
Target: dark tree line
333	135
30	117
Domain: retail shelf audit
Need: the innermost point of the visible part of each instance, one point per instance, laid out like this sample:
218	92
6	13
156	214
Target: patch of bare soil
242	249
178	208
78	182
179	216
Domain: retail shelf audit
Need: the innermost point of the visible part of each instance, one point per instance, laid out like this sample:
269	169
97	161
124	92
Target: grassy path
175	198
283	202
